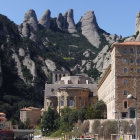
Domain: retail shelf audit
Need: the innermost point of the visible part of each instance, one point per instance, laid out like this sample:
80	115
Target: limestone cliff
30	25
89	28
45	19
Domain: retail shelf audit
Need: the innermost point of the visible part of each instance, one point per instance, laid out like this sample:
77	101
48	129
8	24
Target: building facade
2	120
121	78
71	91
30	115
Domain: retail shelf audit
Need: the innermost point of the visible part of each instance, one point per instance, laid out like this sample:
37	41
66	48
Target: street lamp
130	96
103	130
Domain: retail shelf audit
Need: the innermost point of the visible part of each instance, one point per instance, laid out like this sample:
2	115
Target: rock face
66	22
89	28
102	60
60	21
137	28
30	64
50	65
45	19
29	25
137	23
70	22
18	65
21	52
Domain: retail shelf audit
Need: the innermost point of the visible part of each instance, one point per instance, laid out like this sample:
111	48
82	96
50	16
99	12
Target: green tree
82	114
50	121
99	110
68	118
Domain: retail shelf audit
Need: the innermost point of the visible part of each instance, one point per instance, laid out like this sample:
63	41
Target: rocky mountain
30	51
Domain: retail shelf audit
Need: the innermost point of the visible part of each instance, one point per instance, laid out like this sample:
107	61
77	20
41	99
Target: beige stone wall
23	117
106	91
33	116
51	90
79	97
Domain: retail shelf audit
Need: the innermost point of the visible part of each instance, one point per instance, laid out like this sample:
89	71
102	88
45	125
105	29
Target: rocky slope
31	50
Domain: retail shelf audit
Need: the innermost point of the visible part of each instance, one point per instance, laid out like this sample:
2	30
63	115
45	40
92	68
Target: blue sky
114	16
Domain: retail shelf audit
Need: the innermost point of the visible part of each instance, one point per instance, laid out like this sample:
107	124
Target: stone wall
106	88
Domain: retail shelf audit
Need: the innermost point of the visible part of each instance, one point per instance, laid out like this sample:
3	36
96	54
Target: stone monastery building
71	91
121	78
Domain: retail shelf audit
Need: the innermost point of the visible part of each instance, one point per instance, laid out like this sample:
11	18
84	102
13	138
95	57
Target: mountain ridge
31	50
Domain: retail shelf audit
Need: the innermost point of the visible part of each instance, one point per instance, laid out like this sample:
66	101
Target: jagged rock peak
29	25
31	18
30	14
70	21
89	28
137	22
45	19
60	21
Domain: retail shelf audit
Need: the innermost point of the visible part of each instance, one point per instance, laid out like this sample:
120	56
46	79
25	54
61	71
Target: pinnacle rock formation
137	23
45	19
29	25
137	29
66	21
70	21
60	21
89	28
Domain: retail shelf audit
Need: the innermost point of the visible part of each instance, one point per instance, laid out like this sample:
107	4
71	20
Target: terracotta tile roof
132	43
128	43
29	108
1	113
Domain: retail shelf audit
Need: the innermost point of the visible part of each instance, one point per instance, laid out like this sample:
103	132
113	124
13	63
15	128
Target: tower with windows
121	78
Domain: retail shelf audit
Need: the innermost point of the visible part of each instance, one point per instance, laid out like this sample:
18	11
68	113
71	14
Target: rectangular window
131	60
124	50
125	70
71	103
138	51
138	70
62	102
125	82
124	114
125	104
131	70
125	92
131	50
124	61
138	61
